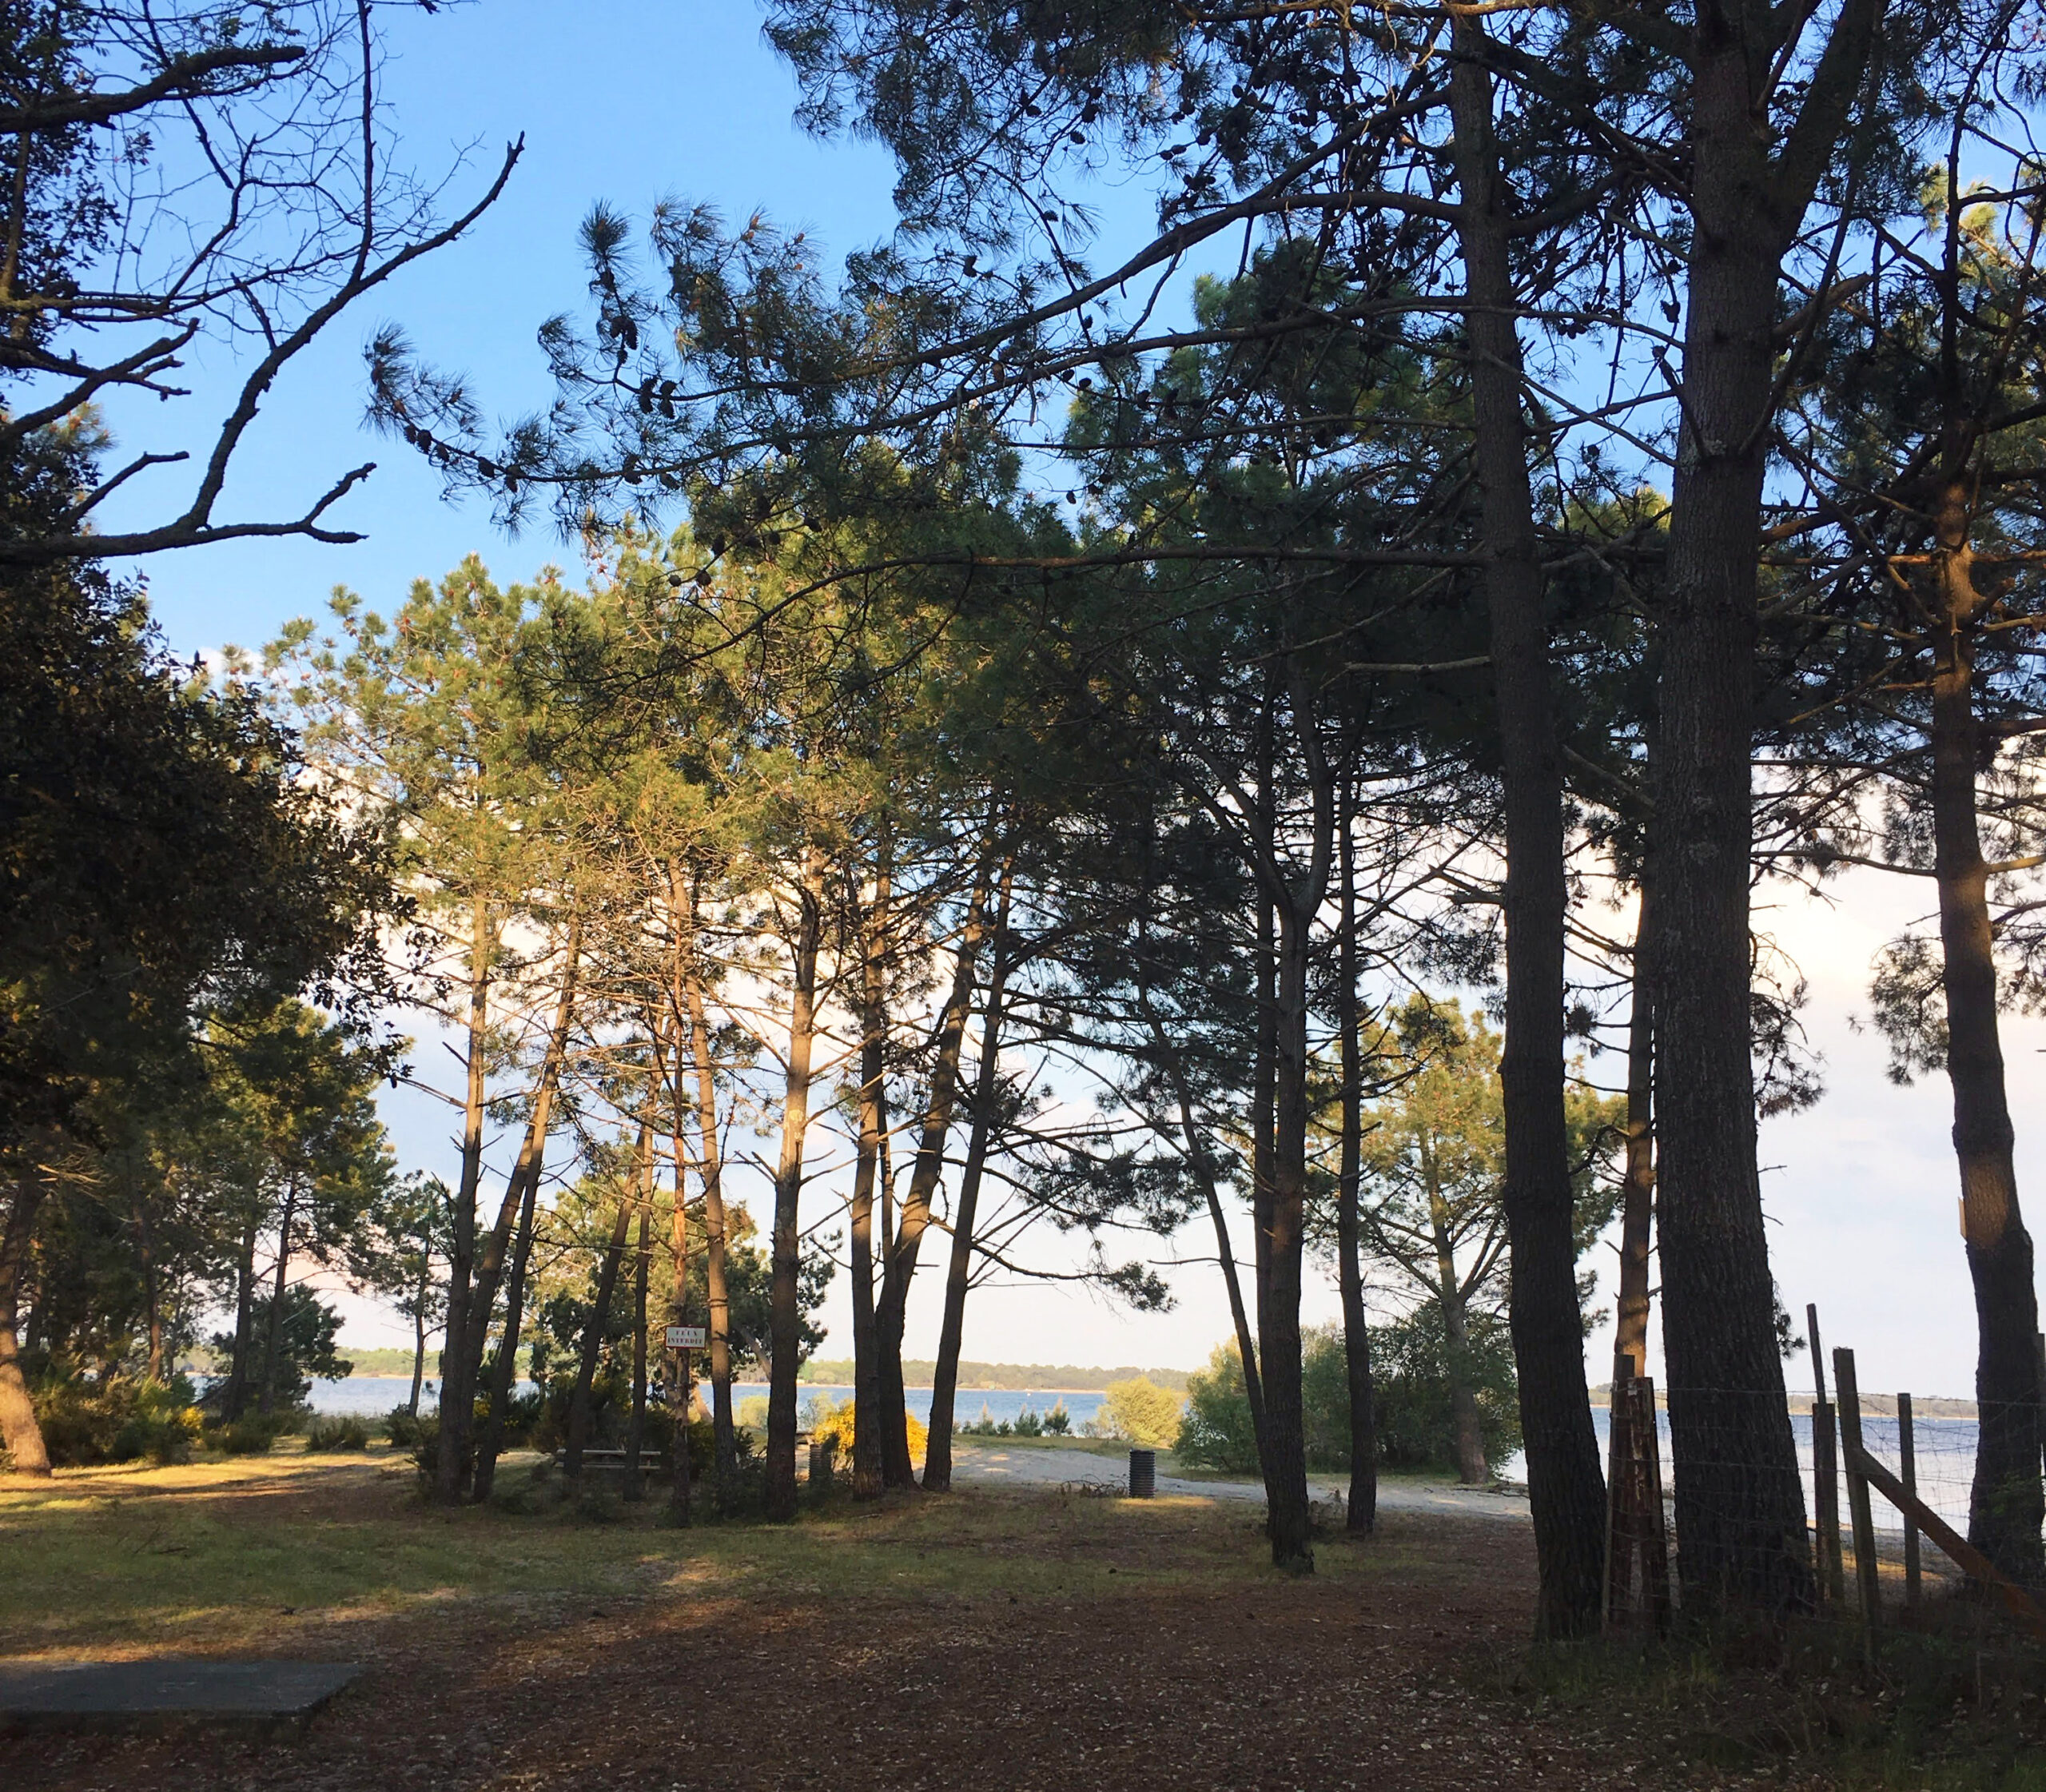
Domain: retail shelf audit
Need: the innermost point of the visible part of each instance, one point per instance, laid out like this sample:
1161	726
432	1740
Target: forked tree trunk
489	1258
783	1316
2005	1506
504	1368
19	1431
709	1158
867	1441
897	1469
457	1383
1565	1491
1471	1467
959	1271
1361	1510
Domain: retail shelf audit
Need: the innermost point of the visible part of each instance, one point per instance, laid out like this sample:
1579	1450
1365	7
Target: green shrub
405	1428
1141	1410
346	1432
1058	1422
752	1413
86	1423
1029	1423
251	1435
1215	1430
1411	1405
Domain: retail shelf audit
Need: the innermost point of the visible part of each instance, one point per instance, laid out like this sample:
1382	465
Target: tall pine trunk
19	1431
635	1430
1740	1509
1566	1490
677	1361
457	1383
1638	1179
490	1258
867	1441
1361	1509
783	1316
987	1093
504	1367
272	1343
710	1159
2005	1506
236	1396
897	1469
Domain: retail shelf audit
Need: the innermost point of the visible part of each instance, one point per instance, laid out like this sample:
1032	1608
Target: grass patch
224	1554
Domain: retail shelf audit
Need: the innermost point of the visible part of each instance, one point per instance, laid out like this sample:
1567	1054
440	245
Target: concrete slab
264	1697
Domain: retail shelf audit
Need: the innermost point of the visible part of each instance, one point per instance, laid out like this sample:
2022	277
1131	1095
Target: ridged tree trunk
272	1343
1740	1510
867	1441
2005	1507
489	1258
19	1431
457	1382
1638	1181
1361	1509
710	1159
504	1368
1565	1489
897	1469
959	1270
635	1430
236	1396
783	1315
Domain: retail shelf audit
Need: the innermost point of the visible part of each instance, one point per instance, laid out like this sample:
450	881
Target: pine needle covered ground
1020	1639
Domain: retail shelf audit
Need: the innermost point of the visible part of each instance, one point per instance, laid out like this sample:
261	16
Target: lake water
373	1396
1946	1447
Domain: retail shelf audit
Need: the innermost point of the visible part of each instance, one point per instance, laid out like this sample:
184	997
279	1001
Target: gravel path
995	1464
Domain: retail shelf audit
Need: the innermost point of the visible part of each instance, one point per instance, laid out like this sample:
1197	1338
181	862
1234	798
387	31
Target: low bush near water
347	1433
87	1423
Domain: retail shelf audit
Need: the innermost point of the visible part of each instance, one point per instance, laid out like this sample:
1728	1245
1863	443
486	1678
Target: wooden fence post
1866	1572
1826	1478
1908	1449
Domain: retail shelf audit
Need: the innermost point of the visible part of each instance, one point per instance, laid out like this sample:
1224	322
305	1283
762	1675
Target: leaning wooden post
1907	1448
1655	1540
1866	1572
1826	1478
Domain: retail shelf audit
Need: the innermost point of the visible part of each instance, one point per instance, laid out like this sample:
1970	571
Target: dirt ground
992	1639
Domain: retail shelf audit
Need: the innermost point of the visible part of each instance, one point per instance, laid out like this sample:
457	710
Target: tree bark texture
457	1385
1565	1489
489	1258
19	1431
1740	1507
900	1261
504	1368
709	1161
2005	1507
783	1317
236	1396
1361	1509
635	1430
959	1270
1638	1181
867	1441
272	1343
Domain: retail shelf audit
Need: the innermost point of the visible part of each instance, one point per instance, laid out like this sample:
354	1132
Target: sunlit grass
223	1554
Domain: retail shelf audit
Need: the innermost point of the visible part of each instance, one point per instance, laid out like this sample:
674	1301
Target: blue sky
630	102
